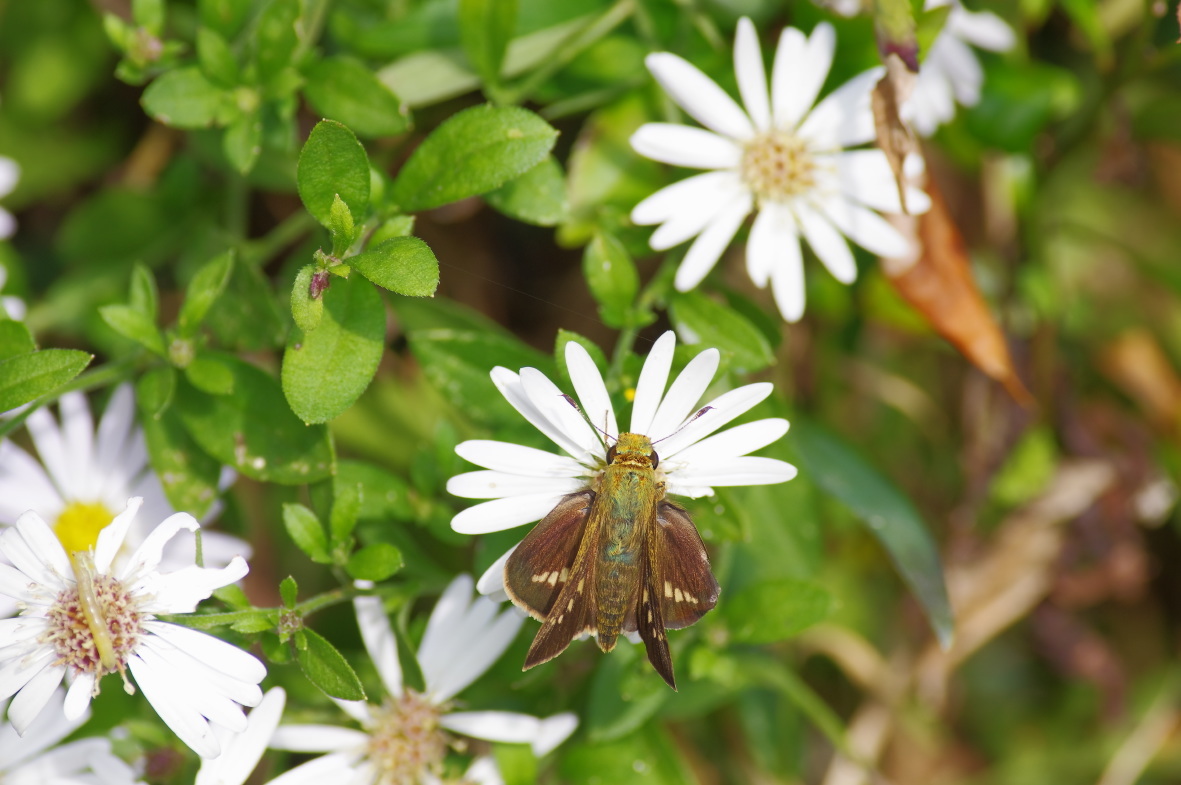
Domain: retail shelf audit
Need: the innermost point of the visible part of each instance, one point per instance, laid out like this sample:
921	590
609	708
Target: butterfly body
619	558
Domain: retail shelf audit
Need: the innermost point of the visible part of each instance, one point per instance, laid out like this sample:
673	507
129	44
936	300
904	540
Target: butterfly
621	558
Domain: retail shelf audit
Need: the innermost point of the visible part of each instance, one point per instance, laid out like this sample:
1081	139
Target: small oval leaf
333	162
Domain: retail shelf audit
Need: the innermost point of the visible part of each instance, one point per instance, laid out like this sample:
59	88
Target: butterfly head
633	449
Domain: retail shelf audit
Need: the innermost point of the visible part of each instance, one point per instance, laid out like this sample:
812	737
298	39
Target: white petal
45	733
500	514
517	459
318	738
358	710
510	386
180	591
492	581
483	771
721	410
981	28
752	75
78	437
446	620
242	752
708	247
177	712
682	145
147	556
51	447
111	537
77	702
476	656
504	726
653	378
699	95
747	470
693	221
33	697
683	395
211	651
683	195
34	550
24	486
192	683
554	731
828	244
115	429
865	176
10	173
801	66
379	642
556	407
734	442
499	485
844	118
866	228
592	393
337	768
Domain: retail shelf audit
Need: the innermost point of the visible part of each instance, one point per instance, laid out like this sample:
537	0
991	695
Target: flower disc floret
778	166
406	740
72	637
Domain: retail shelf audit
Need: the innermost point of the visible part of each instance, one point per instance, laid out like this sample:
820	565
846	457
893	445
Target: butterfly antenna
685	424
597	429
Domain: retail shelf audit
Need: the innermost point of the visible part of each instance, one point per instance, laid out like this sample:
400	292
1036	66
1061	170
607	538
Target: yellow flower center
406	741
777	166
79	524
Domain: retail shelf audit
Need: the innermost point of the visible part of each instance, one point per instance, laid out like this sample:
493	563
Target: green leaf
306	311
843	474
344	89
134	324
471	153
154	391
384	496
188	475
374	562
242	142
327	668
306	532
404	265
225	16
15	339
458	362
516	763
254	430
485	27
342	519
772	611
623	695
699	319
26	377
289	591
612	278
144	296
333	162
326	370
275	38
340	226
184	98
149	14
209	374
537	197
206	286
217	60
247	316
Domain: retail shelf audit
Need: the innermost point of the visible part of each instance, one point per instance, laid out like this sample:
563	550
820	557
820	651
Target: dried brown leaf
895	138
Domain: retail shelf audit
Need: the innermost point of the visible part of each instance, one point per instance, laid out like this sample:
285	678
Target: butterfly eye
611	454
655	459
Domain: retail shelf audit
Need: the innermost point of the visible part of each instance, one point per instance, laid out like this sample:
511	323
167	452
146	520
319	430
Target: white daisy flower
780	158
10	173
14	307
951	72
405	739
36	758
240	752
85	477
83	617
525	484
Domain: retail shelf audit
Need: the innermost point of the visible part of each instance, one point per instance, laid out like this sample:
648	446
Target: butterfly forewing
539	568
572	614
682	578
650	621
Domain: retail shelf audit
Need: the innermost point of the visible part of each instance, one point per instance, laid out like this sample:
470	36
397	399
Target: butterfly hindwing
539	568
682	577
649	619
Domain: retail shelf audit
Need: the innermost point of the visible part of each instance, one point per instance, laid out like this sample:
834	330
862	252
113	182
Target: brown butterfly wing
649	619
681	576
573	613
539	568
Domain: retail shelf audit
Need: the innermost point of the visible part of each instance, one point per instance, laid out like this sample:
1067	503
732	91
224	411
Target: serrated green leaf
185	98
306	311
203	291
471	153
27	377
843	474
144	296
216	59
326	370
771	611
134	324
612	278
306	532
188	474
374	562
485	27
344	89
327	668
254	430
333	163
537	197
289	591
404	265
699	319
15	339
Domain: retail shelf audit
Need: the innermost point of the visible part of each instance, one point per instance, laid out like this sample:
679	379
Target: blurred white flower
406	737
950	71
240	752
525	484
781	158
36	759
10	173
83	617
13	306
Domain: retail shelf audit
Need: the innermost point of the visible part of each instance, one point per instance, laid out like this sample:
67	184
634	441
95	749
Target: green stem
575	44
652	296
